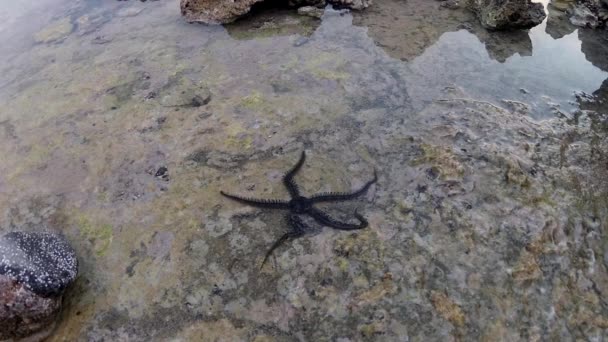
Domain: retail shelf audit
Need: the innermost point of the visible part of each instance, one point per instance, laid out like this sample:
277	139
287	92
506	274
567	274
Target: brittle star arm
343	196
298	229
291	186
259	202
327	220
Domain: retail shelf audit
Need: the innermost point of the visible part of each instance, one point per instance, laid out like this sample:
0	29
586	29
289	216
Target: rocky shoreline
492	14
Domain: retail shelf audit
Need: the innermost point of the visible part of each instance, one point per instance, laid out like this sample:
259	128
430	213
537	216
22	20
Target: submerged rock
35	270
227	11
508	14
311	11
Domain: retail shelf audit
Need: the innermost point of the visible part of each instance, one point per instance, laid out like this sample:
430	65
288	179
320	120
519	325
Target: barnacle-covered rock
35	270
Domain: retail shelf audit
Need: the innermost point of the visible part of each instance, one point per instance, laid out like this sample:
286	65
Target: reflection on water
550	76
531	67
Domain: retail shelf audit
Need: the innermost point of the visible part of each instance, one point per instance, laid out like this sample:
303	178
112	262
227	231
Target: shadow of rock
594	44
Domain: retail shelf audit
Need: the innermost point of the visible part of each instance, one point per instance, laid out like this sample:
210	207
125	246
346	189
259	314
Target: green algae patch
328	66
330	74
403	210
448	309
99	234
254	101
443	160
55	32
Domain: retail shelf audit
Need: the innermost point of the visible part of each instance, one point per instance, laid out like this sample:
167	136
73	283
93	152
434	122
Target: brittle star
300	205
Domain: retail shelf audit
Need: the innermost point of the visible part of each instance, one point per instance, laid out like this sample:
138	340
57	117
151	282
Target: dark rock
199	100
507	14
43	262
35	270
24	313
450	4
300	3
581	15
162	173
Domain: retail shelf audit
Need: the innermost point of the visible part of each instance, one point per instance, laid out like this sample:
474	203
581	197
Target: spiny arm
344	196
327	220
259	202
291	186
298	228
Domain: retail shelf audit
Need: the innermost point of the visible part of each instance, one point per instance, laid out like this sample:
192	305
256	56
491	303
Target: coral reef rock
507	14
589	13
35	270
581	15
226	11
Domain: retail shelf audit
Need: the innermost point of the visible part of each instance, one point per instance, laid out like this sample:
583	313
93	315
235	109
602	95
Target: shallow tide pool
120	124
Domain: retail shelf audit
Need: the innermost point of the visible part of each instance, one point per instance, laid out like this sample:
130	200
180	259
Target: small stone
101	40
129	12
561	5
162	173
311	11
300	41
450	4
200	100
466	26
602	13
35	270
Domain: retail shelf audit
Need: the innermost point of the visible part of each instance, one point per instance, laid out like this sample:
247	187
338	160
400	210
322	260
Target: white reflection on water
552	73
